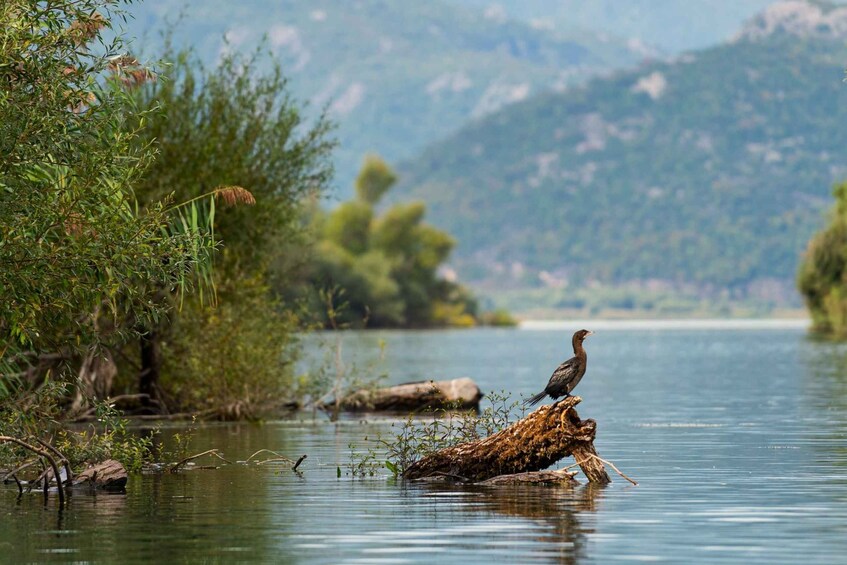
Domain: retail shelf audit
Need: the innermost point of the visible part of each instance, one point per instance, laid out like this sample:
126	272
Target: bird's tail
535	399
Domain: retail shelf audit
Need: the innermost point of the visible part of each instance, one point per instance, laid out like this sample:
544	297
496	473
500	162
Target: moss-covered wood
539	440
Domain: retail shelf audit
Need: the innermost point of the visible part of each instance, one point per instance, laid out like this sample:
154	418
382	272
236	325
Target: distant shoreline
671	324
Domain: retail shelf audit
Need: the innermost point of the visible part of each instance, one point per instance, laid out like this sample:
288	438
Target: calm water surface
738	438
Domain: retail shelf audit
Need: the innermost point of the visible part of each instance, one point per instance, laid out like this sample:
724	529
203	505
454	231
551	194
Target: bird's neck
577	348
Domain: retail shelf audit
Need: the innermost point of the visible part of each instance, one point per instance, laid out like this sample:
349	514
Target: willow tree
76	250
231	124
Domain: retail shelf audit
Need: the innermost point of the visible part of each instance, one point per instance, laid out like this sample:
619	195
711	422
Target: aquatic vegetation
419	435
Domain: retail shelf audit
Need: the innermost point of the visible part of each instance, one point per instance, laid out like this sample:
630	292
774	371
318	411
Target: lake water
737	437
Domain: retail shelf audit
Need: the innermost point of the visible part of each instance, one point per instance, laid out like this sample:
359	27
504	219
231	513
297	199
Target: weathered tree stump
459	393
532	444
108	475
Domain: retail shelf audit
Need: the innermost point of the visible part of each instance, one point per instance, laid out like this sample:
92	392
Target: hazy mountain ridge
394	75
670	25
713	170
803	18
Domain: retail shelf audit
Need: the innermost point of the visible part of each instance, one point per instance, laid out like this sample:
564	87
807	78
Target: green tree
387	265
80	260
822	276
349	226
374	180
232	124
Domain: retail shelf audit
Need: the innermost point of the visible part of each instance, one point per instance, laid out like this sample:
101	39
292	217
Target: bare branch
214	452
46	455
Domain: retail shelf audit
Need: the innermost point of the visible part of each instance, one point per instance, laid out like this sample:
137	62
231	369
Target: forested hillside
711	170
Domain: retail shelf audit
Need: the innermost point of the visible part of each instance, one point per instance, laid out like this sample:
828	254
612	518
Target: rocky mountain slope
710	170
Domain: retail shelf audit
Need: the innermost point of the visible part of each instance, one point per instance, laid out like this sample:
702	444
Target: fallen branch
13	472
106	475
20	487
275	460
529	445
214	452
278	457
67	464
612	465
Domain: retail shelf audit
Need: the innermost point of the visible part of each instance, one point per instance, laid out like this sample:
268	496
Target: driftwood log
530	445
458	393
108	475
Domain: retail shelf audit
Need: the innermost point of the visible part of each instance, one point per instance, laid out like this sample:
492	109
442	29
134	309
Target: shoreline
648	324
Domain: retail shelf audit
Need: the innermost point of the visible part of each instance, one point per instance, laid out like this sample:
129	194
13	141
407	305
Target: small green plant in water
181	443
416	437
363	463
109	440
35	416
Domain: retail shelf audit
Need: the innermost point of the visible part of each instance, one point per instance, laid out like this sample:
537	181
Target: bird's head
582	334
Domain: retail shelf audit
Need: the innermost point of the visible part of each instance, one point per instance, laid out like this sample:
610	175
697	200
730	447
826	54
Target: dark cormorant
568	374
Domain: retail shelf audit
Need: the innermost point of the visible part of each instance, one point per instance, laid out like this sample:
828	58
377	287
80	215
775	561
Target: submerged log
458	393
108	475
532	444
560	477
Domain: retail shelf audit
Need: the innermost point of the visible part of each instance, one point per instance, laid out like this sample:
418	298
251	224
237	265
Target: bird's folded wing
564	370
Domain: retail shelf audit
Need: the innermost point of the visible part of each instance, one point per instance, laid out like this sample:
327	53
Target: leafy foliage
233	361
374	180
35	415
233	125
75	249
823	271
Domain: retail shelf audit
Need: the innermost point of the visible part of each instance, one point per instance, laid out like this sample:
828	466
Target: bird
568	374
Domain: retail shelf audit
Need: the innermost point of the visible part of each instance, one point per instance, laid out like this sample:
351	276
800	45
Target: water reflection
825	389
549	522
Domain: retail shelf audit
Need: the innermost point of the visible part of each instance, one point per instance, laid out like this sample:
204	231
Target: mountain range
393	75
711	169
